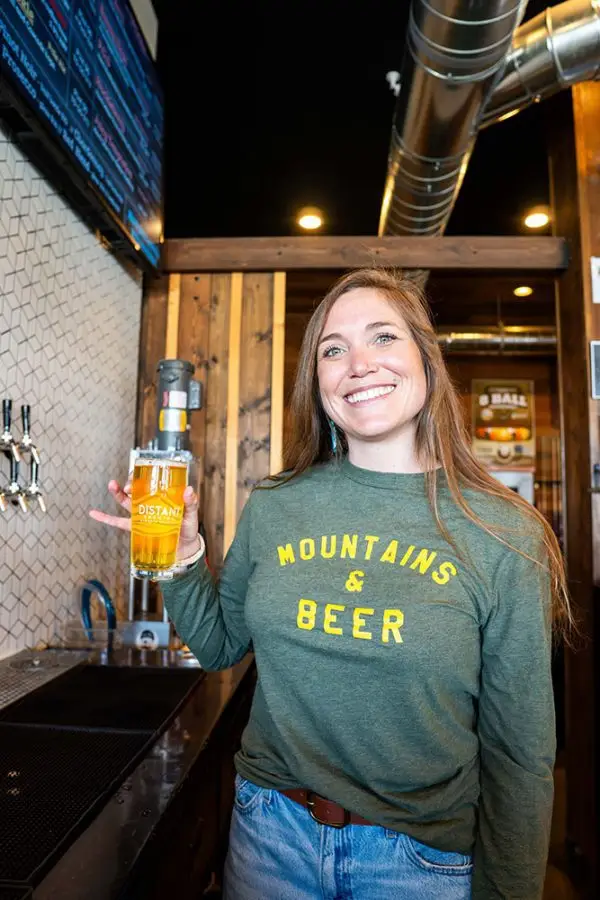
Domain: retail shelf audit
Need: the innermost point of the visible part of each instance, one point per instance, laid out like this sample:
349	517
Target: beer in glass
157	487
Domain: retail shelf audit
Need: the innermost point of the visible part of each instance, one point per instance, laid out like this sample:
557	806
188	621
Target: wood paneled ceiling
456	299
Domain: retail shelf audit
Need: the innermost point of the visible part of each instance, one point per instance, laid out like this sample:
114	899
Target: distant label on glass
154	516
172	420
503	430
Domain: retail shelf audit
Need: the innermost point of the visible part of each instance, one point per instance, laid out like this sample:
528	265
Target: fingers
189	526
115	521
190	498
121	495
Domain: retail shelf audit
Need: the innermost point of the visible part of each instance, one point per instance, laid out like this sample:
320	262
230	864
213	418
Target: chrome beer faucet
33	490
14	492
26	443
7	441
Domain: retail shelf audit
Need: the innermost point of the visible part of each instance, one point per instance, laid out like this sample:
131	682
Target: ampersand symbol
355	581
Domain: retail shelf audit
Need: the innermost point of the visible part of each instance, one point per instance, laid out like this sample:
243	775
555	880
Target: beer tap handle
34	489
26	442
25	418
15	492
6	423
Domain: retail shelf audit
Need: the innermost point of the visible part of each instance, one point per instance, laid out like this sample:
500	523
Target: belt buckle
310	803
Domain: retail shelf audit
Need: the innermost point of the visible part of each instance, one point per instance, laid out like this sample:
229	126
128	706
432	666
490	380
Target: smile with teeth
370	393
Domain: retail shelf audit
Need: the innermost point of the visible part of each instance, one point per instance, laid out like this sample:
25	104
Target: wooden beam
152	348
277	373
172	336
233	402
215	441
574	146
254	418
266	254
193	346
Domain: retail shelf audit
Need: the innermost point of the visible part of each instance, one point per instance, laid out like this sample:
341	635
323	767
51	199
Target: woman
398	600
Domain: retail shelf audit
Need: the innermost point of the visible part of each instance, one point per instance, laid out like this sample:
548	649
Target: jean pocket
247	794
429	859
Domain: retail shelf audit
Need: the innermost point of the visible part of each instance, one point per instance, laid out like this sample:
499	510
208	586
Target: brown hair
441	436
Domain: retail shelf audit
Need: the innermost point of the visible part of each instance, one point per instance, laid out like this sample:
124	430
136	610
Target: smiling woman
371	379
397	598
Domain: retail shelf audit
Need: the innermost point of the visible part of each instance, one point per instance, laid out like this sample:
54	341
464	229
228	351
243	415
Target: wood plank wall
153	329
231	327
574	150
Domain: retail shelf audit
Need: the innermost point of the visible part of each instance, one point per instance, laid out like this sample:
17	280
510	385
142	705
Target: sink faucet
7	441
33	490
26	443
93	586
14	492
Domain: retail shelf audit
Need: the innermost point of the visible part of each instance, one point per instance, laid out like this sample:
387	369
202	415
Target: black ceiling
271	106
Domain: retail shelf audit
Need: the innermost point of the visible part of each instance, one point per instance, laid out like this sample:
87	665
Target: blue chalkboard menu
83	67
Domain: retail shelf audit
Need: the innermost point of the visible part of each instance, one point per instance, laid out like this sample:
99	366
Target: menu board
503	422
84	68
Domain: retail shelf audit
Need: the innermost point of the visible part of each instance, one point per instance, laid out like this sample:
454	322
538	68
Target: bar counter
166	826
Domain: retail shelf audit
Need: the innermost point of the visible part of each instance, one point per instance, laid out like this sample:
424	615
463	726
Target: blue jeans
278	852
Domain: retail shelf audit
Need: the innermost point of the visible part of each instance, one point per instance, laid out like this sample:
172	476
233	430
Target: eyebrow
335	335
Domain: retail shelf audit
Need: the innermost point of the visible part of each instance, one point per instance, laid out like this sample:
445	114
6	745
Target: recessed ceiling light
310	218
537	218
523	291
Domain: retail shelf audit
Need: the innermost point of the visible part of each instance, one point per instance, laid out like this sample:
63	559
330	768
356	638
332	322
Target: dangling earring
333	434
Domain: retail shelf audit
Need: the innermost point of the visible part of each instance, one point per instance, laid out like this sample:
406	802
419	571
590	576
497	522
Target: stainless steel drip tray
67	745
52	783
26	671
7	892
115	698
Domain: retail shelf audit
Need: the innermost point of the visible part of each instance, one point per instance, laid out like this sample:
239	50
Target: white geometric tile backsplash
69	332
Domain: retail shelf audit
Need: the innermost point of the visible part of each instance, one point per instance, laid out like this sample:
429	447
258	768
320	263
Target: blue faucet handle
96	587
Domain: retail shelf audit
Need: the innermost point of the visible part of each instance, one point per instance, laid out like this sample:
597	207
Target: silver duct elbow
455	52
554	50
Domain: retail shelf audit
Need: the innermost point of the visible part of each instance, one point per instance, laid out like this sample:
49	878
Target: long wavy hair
441	436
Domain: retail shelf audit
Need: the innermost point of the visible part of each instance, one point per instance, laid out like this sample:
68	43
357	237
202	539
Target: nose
361	362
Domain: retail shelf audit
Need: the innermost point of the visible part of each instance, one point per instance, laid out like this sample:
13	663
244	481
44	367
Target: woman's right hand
189	540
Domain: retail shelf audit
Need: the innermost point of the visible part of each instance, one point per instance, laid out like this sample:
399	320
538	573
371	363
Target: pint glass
157	487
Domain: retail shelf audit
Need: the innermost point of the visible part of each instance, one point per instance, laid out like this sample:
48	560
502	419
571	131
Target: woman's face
370	372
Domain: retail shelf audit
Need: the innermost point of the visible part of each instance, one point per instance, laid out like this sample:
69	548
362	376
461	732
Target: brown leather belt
323	811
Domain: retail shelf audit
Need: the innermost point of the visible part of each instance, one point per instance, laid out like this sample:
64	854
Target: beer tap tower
15	493
177	395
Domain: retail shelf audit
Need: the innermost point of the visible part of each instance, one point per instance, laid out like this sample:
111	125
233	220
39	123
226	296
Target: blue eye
385	338
331	351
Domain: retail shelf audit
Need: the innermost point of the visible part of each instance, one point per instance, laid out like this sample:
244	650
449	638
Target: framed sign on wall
503	422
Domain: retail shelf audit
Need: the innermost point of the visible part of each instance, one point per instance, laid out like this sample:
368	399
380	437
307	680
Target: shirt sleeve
516	727
209	616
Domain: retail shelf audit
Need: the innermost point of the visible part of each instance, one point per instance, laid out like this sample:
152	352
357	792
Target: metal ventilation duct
506	340
554	50
455	54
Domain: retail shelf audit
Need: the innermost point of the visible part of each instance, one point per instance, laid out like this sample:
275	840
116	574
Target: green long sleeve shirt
406	680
